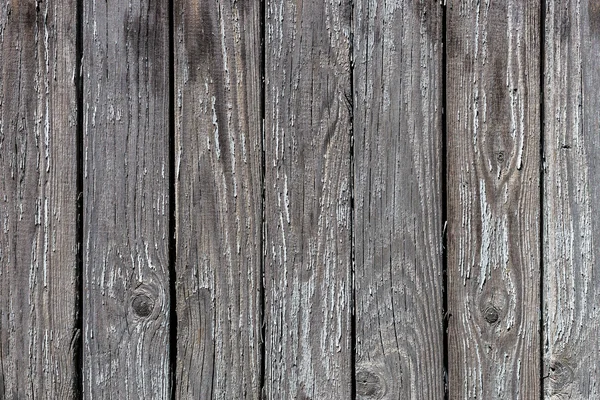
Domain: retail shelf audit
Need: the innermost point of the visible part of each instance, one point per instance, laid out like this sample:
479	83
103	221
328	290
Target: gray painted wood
493	177
37	200
38	208
308	288
218	183
571	200
398	221
126	199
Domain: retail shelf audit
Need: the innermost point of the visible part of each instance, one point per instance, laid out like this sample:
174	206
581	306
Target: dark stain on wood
200	34
593	17
26	12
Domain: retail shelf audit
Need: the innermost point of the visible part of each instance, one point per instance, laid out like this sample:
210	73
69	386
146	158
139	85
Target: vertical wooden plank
398	221
493	199
307	200
126	199
38	185
218	174
571	201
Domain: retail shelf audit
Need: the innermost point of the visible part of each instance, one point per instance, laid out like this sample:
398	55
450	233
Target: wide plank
38	206
398	213
126	296
571	202
307	141
218	184
493	180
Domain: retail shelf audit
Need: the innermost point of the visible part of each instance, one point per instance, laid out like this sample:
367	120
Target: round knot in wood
369	385
561	374
491	315
142	305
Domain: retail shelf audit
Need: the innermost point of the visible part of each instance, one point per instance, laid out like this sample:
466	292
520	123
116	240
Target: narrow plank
218	175
38	191
493	199
571	201
308	292
398	219
126	199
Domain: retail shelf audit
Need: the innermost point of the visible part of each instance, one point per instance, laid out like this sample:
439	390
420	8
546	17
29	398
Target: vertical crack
444	197
172	211
351	184
541	227
79	353
263	349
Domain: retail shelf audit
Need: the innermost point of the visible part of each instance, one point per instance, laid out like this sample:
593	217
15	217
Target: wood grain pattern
307	200
126	199
493	199
38	209
218	175
398	209
571	201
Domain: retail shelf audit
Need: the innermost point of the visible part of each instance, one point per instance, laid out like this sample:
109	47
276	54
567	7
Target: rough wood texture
218	175
307	200
493	199
38	241
398	211
571	200
126	199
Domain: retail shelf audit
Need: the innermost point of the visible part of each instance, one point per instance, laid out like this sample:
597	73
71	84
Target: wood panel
218	175
38	208
493	180
308	292
126	199
398	220
571	201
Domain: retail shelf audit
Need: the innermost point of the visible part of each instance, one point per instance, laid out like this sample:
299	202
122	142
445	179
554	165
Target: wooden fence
288	199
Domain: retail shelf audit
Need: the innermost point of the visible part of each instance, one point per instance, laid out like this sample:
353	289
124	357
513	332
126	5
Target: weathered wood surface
398	221
218	181
308	288
493	160
571	203
274	190
38	208
126	199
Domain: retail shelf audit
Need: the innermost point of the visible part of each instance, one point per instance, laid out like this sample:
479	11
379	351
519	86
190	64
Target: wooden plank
126	199
493	199
308	292
218	178
38	208
398	220
571	201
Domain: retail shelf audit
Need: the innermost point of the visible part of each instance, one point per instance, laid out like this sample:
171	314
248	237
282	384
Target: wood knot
491	315
147	302
493	304
560	373
369	384
142	305
500	156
